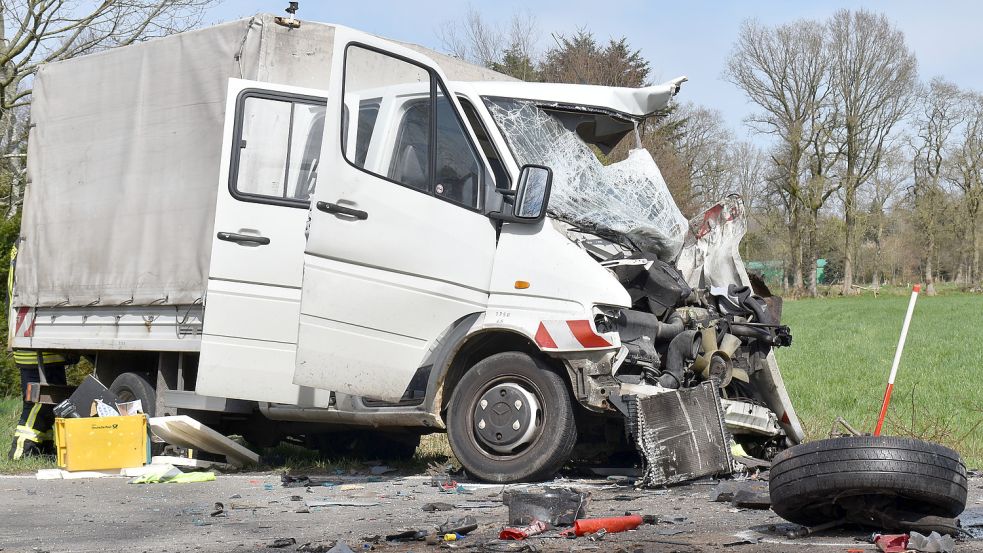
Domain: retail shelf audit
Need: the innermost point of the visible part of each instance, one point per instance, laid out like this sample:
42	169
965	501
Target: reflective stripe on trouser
25	433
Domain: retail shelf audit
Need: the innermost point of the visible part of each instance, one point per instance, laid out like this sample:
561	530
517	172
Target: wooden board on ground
185	431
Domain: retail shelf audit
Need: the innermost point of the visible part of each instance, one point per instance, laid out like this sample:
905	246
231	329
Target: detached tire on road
510	419
810	483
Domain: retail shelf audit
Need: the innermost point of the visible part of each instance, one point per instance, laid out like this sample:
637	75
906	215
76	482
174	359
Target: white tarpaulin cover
123	158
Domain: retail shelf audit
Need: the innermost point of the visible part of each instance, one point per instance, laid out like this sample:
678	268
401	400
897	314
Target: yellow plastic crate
101	443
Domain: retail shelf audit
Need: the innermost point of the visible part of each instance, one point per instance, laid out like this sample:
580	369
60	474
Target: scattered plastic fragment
537	527
282	542
438	506
891	543
932	543
408	535
448	486
610	525
742	541
381	469
462	526
752	499
218	511
350	487
310	547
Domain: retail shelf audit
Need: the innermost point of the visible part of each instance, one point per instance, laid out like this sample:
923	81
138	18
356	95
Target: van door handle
358	214
243	238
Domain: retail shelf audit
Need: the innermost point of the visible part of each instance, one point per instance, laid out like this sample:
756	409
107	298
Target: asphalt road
109	514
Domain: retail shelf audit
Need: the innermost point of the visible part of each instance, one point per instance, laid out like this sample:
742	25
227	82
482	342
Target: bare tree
822	158
966	174
35	32
474	39
702	143
748	166
785	71
936	117
874	74
889	179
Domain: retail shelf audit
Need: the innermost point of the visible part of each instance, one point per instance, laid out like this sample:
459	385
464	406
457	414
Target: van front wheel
510	419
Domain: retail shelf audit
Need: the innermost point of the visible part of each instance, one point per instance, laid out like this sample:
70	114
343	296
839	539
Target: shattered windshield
629	198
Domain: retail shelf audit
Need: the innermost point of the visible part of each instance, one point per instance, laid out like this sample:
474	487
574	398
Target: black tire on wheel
132	386
810	483
501	441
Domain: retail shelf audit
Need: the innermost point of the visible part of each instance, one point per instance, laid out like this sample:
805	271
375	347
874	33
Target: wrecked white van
317	233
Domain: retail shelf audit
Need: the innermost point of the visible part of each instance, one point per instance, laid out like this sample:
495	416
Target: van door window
459	171
430	150
501	176
277	148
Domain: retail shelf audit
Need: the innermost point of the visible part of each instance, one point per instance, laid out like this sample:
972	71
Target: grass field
837	366
841	355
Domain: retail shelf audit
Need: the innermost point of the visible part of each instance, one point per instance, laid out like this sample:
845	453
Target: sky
682	37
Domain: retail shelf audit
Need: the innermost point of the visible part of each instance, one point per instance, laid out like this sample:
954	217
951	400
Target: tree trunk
849	208
795	247
813	232
875	279
974	263
929	276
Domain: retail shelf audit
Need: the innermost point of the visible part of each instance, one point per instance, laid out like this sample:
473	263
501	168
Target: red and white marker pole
897	358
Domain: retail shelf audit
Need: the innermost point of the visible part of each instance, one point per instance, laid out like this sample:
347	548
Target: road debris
282	542
303	481
463	526
340	503
514	533
437	506
752	499
609	525
891	543
218	510
554	506
932	543
185	431
311	547
408	535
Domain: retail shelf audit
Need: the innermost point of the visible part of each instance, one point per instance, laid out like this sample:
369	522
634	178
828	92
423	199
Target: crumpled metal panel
681	435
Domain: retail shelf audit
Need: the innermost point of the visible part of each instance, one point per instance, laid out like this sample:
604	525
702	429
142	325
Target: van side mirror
530	197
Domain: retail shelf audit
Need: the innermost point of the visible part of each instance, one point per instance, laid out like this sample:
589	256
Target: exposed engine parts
677	337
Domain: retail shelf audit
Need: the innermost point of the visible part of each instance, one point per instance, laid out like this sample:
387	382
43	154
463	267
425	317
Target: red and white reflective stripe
569	335
24	314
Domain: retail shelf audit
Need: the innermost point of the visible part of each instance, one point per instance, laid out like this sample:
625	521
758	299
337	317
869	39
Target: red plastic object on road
537	527
610	525
891	543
